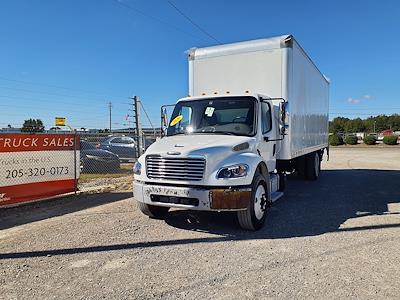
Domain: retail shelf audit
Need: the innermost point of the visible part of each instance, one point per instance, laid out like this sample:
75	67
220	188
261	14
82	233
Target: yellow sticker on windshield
176	120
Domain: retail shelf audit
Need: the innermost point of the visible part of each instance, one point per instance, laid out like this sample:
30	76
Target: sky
70	58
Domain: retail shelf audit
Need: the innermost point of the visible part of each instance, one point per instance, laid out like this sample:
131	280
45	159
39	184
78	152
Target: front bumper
204	198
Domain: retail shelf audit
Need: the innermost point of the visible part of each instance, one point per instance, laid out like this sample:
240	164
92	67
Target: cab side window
266	120
186	113
182	119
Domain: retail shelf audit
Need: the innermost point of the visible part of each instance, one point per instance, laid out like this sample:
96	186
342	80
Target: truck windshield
228	115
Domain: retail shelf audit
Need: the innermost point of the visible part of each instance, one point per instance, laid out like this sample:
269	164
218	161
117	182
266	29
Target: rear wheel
253	217
313	166
301	166
157	212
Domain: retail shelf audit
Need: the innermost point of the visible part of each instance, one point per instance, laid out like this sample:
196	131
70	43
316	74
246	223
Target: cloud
353	101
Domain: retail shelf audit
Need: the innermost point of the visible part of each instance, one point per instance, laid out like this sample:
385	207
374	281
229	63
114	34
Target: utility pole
138	124
109	109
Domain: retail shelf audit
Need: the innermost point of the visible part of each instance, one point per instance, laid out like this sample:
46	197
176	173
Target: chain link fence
34	166
106	160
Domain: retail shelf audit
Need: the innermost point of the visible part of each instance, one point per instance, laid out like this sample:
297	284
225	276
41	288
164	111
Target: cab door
267	144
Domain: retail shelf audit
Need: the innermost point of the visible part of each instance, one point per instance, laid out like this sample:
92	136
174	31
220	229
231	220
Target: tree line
370	125
36	125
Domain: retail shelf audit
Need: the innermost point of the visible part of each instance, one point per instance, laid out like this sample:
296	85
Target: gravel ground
334	238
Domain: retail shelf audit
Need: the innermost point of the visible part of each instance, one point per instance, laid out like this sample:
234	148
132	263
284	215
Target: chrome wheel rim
260	202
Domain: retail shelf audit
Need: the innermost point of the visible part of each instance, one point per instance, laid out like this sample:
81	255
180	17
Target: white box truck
256	111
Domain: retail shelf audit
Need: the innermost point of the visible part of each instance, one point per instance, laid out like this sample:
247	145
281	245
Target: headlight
234	171
137	168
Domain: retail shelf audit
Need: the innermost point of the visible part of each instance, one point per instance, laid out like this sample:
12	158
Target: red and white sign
36	166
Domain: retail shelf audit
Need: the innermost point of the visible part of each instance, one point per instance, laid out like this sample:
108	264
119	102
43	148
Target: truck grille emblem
173	153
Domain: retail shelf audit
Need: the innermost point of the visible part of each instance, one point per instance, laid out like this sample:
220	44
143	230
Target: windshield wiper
178	133
226	132
219	132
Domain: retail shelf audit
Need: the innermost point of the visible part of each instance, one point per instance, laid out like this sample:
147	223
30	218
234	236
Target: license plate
166	191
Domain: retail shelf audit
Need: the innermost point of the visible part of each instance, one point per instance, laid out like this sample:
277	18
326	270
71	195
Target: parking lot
334	238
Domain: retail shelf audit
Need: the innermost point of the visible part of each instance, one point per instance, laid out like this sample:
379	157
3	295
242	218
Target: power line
64	105
44	93
51	115
55	86
48	109
147	116
155	19
192	22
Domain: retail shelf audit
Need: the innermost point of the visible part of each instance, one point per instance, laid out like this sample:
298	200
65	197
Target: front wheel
157	212
253	217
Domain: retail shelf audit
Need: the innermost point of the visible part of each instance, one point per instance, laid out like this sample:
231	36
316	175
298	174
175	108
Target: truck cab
257	111
219	153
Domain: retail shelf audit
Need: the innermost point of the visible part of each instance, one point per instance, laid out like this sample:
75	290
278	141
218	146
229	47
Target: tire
253	218
156	212
301	167
313	166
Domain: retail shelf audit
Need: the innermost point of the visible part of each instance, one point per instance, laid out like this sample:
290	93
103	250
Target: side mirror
164	122
282	108
164	119
284	119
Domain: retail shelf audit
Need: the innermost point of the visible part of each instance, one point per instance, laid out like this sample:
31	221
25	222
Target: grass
90	176
125	170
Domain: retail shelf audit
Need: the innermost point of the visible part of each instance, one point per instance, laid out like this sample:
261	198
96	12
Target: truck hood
217	150
198	144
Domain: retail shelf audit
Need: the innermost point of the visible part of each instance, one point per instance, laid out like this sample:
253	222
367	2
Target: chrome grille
175	168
